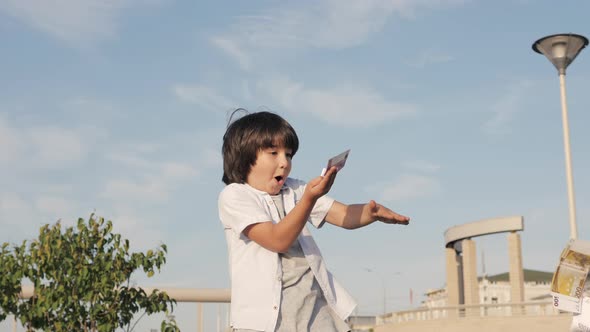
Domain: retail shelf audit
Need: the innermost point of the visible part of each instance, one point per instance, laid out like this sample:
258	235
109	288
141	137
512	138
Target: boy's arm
279	237
360	215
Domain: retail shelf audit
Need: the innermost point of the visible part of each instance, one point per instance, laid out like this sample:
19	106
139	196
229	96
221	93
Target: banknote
339	161
569	279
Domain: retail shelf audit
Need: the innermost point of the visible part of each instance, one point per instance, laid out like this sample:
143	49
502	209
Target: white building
496	289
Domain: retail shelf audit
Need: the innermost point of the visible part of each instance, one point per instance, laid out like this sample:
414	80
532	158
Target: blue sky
119	107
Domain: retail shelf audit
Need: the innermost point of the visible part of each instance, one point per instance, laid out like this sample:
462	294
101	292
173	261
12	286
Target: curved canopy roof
483	227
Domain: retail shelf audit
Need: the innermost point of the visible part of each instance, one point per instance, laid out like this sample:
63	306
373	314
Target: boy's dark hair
249	134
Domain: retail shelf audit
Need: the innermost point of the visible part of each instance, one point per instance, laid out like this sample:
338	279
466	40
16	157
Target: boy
279	281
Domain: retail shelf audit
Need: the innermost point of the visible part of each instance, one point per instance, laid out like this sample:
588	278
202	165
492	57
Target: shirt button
275	307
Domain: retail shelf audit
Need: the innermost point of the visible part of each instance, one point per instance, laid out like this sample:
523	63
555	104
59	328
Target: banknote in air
569	279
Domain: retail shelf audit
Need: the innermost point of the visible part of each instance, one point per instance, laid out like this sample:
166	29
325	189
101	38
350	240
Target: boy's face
270	170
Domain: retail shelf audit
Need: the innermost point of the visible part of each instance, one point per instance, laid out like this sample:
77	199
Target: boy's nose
284	162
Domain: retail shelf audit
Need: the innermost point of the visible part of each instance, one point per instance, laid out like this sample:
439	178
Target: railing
208	295
471	311
191	295
196	295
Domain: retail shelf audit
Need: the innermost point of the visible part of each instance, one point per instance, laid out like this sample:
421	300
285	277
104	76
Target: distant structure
463	286
496	289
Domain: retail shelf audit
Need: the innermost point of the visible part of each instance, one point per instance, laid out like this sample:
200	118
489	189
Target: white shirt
255	272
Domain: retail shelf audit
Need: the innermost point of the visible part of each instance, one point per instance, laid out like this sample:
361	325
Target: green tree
81	278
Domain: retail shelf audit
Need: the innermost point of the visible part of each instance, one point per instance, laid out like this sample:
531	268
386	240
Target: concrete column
452	277
470	284
516	273
200	317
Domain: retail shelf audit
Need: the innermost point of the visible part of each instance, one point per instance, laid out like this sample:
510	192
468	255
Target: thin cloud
131	161
56	147
92	110
154	180
422	166
56	206
327	24
202	96
233	50
43	146
505	109
177	170
407	187
430	57
77	22
344	105
146	190
14	209
20	215
211	158
10	142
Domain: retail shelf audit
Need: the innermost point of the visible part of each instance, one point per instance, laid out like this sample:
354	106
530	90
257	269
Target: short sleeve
320	210
318	214
240	208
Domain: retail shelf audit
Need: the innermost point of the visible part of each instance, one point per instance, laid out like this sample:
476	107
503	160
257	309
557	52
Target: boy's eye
289	155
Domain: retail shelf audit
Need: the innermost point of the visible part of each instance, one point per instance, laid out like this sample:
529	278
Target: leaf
79	275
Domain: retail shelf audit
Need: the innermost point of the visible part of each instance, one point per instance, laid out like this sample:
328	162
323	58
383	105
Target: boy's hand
381	213
321	185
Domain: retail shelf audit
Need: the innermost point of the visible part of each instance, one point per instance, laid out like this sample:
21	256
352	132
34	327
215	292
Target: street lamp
384	288
371	270
561	50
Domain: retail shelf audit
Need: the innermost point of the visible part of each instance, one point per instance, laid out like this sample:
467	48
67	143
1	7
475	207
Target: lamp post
371	270
384	288
561	50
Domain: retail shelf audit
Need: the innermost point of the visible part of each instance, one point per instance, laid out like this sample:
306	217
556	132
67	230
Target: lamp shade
560	49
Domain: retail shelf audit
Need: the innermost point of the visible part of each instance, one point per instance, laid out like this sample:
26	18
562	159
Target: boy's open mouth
278	178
